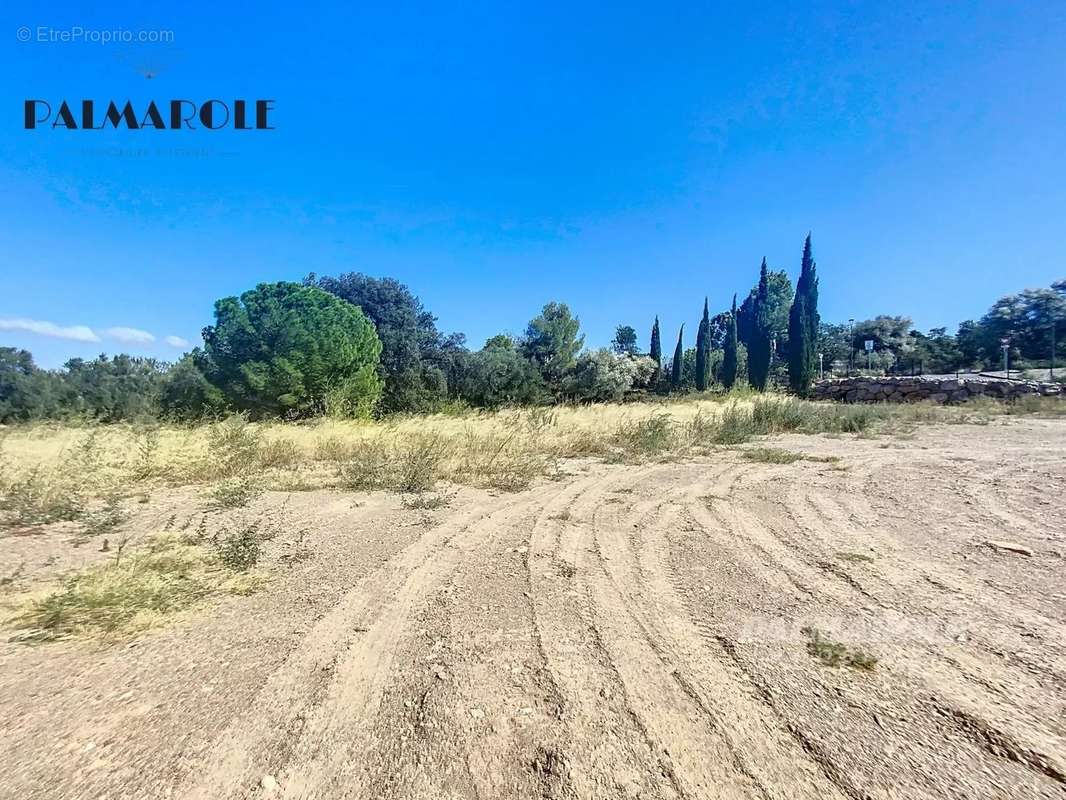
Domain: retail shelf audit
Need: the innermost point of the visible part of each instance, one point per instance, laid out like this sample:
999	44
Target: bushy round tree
283	348
498	375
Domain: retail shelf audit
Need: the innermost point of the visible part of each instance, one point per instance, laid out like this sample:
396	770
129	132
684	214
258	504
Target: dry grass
52	472
134	590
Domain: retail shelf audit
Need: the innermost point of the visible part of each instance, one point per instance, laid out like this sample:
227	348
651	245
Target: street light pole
851	346
1006	357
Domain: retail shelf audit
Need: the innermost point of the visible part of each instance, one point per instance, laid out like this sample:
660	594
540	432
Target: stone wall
934	390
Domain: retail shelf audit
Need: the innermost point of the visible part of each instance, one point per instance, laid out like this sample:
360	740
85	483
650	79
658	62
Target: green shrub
239	550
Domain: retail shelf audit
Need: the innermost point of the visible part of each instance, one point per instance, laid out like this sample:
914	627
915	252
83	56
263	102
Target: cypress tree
729	360
656	351
759	349
703	346
679	357
803	326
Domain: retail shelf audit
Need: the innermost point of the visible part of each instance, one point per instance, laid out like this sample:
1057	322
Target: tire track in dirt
610	751
1009	676
470	714
335	674
1002	636
334	749
806	562
758	744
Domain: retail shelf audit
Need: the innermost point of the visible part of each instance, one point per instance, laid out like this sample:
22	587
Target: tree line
356	345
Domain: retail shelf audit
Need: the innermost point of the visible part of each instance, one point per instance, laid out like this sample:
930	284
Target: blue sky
626	158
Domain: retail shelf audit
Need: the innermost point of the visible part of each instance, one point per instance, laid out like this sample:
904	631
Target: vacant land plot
645	610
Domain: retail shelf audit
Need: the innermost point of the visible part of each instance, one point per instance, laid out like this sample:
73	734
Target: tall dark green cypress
703	347
656	351
759	349
729	359
803	326
679	357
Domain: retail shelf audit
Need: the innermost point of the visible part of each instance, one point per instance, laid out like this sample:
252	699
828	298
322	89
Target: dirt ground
622	632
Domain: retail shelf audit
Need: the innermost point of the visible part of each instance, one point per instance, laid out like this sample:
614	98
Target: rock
269	783
935	390
1009	546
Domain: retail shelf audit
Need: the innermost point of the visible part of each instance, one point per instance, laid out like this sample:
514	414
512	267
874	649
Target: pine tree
679	359
759	349
655	351
729	360
703	336
803	326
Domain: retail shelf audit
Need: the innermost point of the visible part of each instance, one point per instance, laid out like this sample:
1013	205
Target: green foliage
834	344
677	370
498	375
285	349
688	370
606	376
836	654
759	344
1026	319
803	326
26	392
625	340
937	351
655	350
186	394
236	492
501	340
241	549
779	298
418	363
893	335
112	390
728	377
552	342
703	348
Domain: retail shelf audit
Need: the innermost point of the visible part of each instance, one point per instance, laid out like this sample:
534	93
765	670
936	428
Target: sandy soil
623	632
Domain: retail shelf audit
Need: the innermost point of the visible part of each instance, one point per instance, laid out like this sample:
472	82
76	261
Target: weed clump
645	438
234	447
835	654
239	550
38	497
128	593
236	491
410	465
774	455
854	557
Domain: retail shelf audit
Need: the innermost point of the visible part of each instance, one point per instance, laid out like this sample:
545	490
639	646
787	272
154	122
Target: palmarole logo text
242	115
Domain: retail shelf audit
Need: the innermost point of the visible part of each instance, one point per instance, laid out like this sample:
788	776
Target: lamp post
851	346
1006	358
821	371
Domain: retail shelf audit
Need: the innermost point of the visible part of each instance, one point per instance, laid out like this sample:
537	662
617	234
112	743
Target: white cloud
79	333
176	341
129	335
